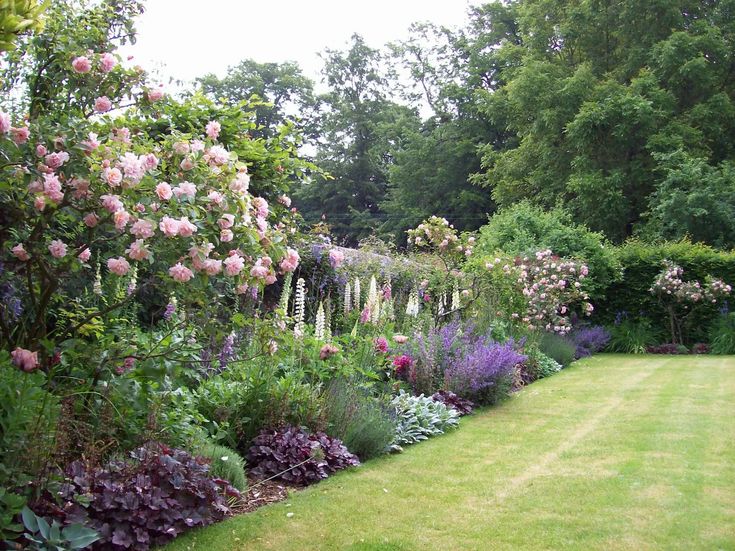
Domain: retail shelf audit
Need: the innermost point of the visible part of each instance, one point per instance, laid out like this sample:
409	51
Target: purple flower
169	311
588	340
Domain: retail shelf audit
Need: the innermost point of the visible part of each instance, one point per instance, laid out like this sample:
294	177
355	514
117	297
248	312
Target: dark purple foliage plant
145	501
298	457
450	399
589	340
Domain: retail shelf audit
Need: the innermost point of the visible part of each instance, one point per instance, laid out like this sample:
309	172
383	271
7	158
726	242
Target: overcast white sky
185	39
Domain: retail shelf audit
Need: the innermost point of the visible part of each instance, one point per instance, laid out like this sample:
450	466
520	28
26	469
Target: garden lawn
615	452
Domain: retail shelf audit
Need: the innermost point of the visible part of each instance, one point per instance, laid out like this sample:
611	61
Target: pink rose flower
118	266
181	148
285	200
91	220
212	266
217	155
85	255
154	94
142	229
20	252
234	265
164	192
91	143
186	228
20	135
291	261
381	345
185	189
186	164
5	122
102	104
180	273
169	226
107	62
56	159
81	64
25	359
121	218
41	150
270	279
241	289
258	271
213	129
226	222
138	250
57	248
112	176
39	203
226	236
400	339
197	146
150	161
216	197
52	188
241	183
261	207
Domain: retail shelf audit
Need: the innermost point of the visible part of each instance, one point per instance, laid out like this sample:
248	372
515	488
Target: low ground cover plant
420	417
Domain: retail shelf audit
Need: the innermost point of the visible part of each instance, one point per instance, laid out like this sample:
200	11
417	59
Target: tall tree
604	91
285	92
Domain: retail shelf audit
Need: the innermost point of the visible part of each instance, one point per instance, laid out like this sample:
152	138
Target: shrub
484	373
294	455
589	340
364	424
146	501
539	365
524	229
225	463
420	417
558	348
631	336
722	334
460	405
642	262
701	348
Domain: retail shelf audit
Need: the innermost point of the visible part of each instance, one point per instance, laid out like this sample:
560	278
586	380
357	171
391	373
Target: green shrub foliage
225	463
558	348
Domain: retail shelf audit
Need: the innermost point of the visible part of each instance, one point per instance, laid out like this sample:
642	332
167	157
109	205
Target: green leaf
79	536
29	519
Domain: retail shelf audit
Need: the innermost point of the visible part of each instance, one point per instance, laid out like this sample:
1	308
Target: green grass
616	452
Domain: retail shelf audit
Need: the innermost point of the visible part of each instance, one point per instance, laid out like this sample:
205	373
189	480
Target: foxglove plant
300	308
319	326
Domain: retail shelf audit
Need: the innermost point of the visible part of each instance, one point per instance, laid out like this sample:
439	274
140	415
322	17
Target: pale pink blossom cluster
669	283
24	359
438	234
291	261
336	258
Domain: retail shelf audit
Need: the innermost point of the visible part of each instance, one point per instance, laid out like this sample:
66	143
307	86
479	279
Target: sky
185	39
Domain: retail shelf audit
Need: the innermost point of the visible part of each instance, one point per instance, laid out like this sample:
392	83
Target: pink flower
169	226
20	135
52	188
84	255
133	167
217	155
186	164
121	218
92	142
241	289
258	271
163	190
185	189
142	229
241	183
216	197
39	203
336	257
107	62
213	129
57	248
226	222
381	345
181	148
118	266
81	64
234	265
91	220
41	150
197	146
20	252
212	266
186	228
261	207
180	273
112	176
226	236
4	122
154	94
138	250
56	159
24	359
291	261
102	104
400	339
150	161
285	200
327	351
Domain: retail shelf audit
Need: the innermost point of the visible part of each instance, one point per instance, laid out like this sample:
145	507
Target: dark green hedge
642	262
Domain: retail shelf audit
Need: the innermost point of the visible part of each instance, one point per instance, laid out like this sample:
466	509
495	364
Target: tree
286	91
605	90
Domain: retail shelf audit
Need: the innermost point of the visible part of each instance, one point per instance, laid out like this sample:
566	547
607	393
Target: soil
262	493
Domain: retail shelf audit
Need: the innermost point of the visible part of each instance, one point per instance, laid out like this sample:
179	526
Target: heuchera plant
450	399
298	457
146	501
